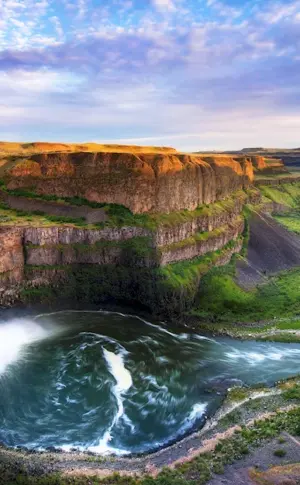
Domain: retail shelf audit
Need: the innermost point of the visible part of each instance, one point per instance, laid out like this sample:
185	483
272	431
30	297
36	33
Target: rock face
263	161
202	193
293	179
258	162
122	262
211	242
143	182
206	222
11	250
11	264
59	235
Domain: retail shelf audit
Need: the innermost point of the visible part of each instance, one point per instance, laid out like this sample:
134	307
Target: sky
193	74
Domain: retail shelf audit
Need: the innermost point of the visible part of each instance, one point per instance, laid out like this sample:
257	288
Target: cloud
164	5
218	76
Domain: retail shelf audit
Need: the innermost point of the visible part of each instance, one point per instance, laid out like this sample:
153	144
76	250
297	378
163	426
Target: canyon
148	222
205	241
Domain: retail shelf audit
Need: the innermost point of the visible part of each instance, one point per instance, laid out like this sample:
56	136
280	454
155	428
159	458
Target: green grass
185	273
221	299
292	393
19	217
285	194
237	394
290	221
118	214
289	324
66	220
231	419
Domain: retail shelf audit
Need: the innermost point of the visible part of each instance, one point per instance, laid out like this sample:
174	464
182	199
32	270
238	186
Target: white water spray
122	376
15	336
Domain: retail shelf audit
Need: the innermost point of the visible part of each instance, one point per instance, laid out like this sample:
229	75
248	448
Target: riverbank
279	330
248	420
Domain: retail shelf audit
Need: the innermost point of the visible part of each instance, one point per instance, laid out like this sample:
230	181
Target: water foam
122	376
254	358
198	410
15	335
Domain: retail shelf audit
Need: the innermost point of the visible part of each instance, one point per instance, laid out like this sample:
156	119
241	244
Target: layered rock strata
33	257
142	182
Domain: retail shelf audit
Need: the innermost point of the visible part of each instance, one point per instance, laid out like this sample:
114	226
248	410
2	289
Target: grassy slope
183	274
221	301
14	217
290	221
287	194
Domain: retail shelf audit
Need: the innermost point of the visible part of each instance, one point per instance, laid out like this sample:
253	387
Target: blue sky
197	74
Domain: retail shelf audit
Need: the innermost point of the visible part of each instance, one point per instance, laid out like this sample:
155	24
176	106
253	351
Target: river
113	383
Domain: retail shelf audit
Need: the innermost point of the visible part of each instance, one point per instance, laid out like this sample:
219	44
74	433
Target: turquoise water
113	383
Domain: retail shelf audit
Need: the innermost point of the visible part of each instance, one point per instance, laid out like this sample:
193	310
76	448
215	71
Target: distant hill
289	156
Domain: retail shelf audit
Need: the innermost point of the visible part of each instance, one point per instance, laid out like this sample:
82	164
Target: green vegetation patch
184	273
292	393
280	453
237	394
285	194
290	221
221	299
205	210
19	217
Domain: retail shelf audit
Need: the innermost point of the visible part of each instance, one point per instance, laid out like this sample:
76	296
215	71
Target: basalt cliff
100	223
143	182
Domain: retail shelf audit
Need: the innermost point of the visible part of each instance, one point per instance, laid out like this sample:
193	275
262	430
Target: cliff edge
160	181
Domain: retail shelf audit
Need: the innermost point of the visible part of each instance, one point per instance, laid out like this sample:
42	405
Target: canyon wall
192	220
142	182
125	263
264	161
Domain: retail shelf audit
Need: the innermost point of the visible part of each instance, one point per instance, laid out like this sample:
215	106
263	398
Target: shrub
218	468
4	206
66	220
281	440
280	453
292	393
